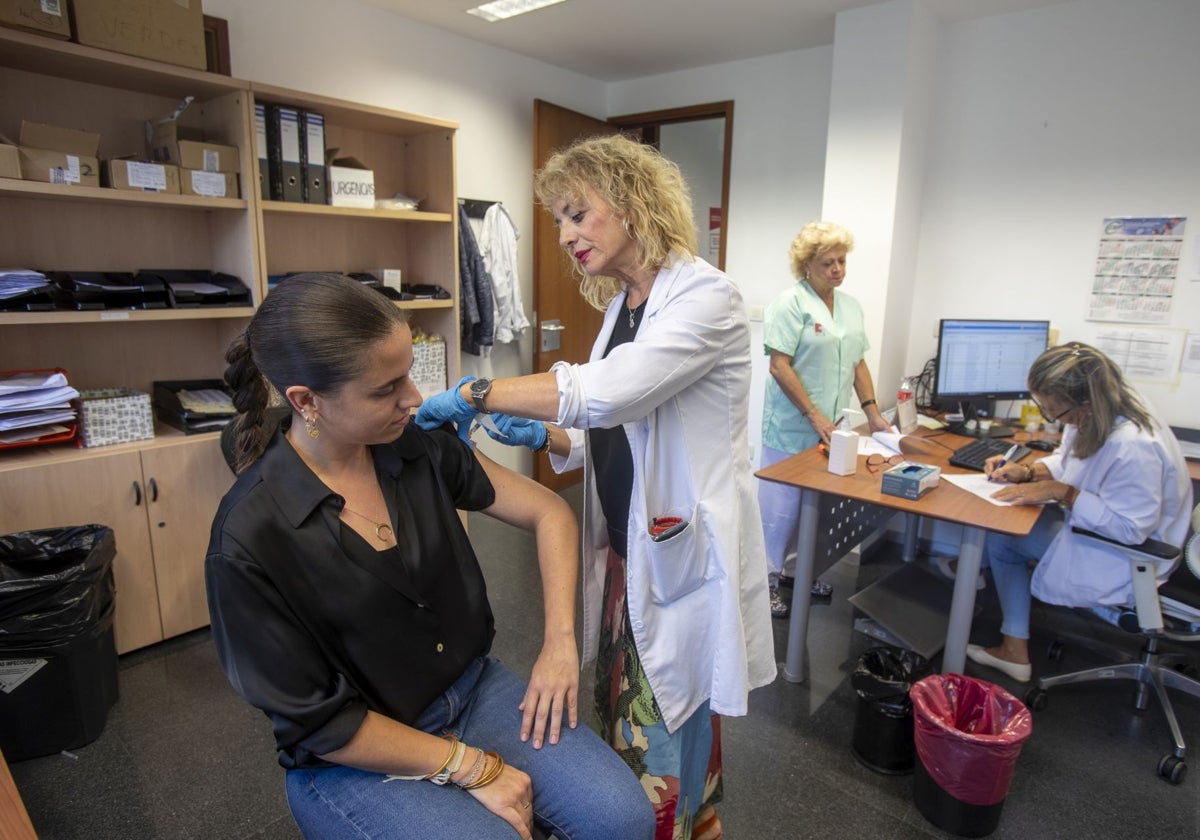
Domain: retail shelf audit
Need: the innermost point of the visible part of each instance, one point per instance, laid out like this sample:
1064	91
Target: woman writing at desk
816	337
1119	472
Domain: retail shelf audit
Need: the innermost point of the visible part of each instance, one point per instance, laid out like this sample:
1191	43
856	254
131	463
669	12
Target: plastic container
58	660
968	735
883	718
906	407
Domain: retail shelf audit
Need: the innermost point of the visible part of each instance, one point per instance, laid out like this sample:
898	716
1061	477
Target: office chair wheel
1054	651
1036	699
1172	769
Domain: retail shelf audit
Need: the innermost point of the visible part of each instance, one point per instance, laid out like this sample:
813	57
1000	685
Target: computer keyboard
972	455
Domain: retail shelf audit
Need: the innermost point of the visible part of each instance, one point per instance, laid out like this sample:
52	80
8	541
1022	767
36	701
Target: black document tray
200	288
107	290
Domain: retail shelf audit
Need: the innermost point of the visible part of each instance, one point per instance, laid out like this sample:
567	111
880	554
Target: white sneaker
948	566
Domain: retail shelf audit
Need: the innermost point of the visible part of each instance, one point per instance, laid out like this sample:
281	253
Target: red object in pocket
659	524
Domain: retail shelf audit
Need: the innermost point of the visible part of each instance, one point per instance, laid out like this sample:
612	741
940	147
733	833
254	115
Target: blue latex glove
448	407
518	431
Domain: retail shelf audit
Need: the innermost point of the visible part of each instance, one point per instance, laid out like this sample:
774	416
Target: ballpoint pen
1012	450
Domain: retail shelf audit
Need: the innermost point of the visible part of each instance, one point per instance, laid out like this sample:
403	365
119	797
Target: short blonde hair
813	240
646	192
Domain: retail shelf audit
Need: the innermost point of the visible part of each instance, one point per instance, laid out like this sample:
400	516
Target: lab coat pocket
679	564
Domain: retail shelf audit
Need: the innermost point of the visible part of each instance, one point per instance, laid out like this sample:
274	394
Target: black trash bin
58	660
969	735
883	719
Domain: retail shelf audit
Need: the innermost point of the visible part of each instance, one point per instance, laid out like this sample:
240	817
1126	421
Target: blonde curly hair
646	192
815	239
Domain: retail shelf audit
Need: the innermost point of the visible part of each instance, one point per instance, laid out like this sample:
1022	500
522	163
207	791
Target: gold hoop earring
310	426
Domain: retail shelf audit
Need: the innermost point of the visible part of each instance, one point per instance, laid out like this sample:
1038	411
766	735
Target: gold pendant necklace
383	531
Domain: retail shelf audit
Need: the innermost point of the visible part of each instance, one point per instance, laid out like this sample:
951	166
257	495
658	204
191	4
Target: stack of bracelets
478	776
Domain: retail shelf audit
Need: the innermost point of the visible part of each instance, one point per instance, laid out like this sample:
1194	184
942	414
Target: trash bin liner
58	660
968	736
883	721
55	585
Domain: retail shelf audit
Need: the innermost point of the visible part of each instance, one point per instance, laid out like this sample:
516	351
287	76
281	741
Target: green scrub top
825	349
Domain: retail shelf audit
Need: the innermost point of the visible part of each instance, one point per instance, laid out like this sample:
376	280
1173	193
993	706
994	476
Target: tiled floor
181	756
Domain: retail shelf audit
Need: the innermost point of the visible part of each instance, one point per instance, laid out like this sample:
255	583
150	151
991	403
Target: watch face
480	387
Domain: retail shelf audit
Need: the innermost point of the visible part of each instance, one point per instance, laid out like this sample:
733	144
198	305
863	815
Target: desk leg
806	547
962	607
912	527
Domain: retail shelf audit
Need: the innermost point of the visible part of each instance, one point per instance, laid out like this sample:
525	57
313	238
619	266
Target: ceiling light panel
503	9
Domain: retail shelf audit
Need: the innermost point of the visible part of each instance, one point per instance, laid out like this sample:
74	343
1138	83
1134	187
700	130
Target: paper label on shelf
52	7
289	136
13	672
314	127
148	176
212	160
69	175
208	183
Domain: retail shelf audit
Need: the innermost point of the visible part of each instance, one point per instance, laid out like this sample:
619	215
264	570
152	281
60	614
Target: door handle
137	494
551	329
153	487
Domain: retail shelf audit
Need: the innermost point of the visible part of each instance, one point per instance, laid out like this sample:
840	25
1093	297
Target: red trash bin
968	734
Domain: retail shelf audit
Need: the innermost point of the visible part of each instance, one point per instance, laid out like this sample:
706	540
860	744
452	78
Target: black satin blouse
315	629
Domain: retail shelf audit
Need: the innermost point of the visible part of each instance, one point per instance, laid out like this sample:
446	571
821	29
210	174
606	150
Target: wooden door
185	484
555	287
106	491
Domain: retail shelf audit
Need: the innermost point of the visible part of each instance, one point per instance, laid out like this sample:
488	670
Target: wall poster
1136	268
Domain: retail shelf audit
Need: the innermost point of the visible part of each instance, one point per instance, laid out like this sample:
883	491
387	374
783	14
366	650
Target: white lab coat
698	602
498	245
1136	487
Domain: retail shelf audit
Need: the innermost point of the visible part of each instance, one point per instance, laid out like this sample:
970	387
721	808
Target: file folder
283	153
312	157
199	287
260	145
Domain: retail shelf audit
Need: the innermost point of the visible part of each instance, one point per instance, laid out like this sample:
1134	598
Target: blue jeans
581	788
1009	559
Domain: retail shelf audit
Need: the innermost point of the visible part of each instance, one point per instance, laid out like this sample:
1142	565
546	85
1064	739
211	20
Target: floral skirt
680	771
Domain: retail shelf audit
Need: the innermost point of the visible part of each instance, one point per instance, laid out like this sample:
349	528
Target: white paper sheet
978	484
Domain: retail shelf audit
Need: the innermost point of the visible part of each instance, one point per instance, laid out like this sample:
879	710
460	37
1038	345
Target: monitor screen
986	360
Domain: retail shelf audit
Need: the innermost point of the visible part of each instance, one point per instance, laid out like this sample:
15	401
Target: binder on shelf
260	147
283	153
312	157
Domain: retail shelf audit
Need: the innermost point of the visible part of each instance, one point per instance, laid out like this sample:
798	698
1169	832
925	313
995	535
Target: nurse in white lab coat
658	420
1119	472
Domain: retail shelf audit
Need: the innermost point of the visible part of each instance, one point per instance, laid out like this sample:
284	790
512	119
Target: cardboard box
209	184
910	481
140	176
349	187
164	30
45	17
10	161
166	146
56	155
114	415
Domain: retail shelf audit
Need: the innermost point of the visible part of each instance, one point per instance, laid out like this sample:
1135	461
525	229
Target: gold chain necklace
383	531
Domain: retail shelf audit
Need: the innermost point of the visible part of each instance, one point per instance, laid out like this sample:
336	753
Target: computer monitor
981	361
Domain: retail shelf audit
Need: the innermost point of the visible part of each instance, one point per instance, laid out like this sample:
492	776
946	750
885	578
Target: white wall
1047	122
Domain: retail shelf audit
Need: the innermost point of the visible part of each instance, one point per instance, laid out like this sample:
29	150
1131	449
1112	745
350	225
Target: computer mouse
1043	445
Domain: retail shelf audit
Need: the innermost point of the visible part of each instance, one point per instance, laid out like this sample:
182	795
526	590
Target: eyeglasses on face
876	462
1046	414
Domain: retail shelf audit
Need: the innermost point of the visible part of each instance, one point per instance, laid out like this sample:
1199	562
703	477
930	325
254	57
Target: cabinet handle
137	494
153	490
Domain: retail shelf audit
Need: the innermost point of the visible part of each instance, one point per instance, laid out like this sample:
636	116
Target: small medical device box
843	452
910	481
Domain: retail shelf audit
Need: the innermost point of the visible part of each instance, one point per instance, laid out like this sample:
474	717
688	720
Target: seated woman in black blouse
348	604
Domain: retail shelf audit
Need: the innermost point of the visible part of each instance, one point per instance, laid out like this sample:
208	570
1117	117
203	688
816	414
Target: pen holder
843	452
